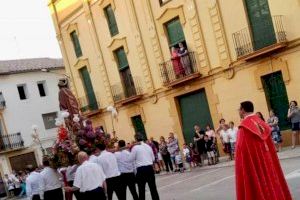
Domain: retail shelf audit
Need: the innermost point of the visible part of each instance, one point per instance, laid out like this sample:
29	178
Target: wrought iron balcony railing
179	69
128	90
89	102
11	142
246	44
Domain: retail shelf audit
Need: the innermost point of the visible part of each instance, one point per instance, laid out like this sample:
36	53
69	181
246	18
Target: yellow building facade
117	53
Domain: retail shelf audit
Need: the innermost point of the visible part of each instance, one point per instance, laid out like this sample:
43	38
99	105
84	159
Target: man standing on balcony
258	171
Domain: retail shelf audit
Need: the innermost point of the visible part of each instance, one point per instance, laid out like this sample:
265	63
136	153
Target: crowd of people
15	183
103	170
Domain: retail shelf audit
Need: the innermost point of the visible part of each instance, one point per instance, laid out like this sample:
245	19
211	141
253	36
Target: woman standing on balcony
176	62
185	59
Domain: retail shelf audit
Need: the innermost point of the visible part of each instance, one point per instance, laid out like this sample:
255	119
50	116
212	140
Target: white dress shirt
93	159
51	179
89	176
34	185
232	134
124	161
225	136
108	162
142	155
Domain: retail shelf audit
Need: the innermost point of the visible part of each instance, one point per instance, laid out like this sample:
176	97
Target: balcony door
125	73
89	90
138	125
261	23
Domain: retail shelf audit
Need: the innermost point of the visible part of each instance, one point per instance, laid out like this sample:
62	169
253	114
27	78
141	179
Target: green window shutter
76	44
111	20
121	58
261	23
175	32
139	126
87	83
277	98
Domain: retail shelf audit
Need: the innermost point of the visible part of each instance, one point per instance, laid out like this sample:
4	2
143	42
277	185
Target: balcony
179	70
129	90
11	142
247	47
89	105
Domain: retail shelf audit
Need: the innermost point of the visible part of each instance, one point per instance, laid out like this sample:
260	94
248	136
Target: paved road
216	183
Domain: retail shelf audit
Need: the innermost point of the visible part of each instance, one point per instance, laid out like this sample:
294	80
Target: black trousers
115	185
56	194
145	175
36	197
128	180
168	162
96	194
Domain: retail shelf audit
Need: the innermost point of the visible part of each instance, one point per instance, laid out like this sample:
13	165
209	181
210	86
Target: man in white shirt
126	167
34	185
93	156
224	135
232	132
143	157
108	162
89	180
52	184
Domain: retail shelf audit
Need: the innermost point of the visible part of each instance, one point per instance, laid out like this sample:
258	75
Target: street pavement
216	183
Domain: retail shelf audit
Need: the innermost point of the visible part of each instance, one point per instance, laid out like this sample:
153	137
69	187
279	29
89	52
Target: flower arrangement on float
79	136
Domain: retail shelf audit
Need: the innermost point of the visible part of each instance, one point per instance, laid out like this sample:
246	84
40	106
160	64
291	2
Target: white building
28	96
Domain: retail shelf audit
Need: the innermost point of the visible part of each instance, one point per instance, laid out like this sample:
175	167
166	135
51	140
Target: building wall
208	27
20	115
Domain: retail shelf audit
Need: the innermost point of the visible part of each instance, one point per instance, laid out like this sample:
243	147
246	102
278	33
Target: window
163	2
121	58
125	73
111	20
49	120
76	44
42	89
175	32
22	92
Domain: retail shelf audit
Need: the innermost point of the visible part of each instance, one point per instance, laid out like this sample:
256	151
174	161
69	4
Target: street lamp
114	114
36	138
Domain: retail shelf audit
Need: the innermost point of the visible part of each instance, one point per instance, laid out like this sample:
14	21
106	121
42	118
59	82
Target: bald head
82	156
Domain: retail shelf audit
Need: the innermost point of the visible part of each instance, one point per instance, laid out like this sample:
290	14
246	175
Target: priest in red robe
258	172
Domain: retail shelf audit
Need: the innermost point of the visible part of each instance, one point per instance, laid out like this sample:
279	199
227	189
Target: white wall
20	115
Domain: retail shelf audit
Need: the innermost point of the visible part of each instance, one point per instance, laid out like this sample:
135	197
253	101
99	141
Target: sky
26	30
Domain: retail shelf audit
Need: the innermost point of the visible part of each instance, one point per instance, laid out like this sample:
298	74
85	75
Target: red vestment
177	65
258	172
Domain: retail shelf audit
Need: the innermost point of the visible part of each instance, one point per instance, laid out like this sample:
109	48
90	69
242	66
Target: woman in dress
294	116
177	66
163	149
212	136
185	59
276	136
